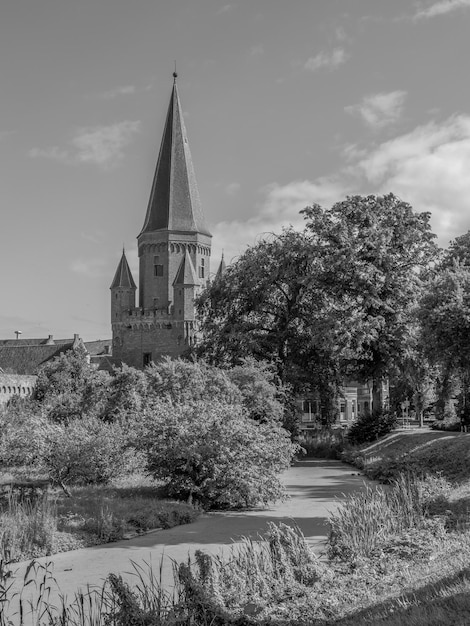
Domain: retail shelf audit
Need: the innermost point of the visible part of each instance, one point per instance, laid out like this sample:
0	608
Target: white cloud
380	109
323	59
53	152
232	188
280	207
104	145
441	8
98	145
226	8
427	167
124	90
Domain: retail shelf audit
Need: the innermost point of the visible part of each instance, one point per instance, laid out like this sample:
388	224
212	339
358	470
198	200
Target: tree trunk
377	394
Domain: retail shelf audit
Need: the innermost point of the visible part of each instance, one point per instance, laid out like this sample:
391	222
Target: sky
286	104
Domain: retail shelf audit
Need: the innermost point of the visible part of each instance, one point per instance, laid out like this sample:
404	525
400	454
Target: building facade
174	249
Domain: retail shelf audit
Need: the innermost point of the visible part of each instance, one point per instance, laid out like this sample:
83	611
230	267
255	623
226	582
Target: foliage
27	528
324	443
375	251
215	454
190	381
25	436
261	391
85	451
69	387
126	394
252	581
445	318
336	299
367	518
369	426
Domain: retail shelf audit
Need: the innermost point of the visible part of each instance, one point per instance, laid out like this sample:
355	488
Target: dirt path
313	487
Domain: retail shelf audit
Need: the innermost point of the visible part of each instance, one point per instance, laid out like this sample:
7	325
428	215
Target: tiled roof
98	347
27	359
105	363
35	342
174	200
123	276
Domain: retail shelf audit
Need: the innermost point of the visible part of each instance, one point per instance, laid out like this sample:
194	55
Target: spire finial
175	74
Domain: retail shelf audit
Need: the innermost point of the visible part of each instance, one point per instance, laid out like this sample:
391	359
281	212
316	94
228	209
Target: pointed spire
222	267
186	274
174	202
123	276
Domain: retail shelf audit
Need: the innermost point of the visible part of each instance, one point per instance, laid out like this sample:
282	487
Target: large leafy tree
445	323
334	300
268	306
376	252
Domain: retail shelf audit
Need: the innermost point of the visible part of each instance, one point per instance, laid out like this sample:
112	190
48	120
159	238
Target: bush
25	437
445	425
86	451
370	426
215	454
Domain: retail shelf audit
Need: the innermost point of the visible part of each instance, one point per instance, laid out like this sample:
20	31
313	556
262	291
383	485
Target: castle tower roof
222	267
186	274
123	276
174	202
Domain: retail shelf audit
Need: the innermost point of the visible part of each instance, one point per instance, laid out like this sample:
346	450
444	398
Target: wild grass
41	526
367	518
444	454
277	581
324	443
27	528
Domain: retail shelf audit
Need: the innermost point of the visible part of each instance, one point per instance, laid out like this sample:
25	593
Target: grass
276	581
323	443
35	527
397	555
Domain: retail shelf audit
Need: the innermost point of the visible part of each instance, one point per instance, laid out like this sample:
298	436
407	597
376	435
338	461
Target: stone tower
174	258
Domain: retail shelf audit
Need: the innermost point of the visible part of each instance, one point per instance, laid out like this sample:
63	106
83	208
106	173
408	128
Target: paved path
313	487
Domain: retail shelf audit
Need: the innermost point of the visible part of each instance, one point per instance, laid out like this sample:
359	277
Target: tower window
158	270
147	358
201	269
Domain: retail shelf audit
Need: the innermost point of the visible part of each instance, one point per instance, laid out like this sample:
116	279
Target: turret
123	290
185	287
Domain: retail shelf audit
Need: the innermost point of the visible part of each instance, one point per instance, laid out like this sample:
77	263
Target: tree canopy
331	301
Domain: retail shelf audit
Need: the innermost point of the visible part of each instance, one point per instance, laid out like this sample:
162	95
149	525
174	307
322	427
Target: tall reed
27	527
365	519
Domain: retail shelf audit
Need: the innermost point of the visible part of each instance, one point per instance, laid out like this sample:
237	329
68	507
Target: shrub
86	451
25	437
215	454
184	381
370	426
